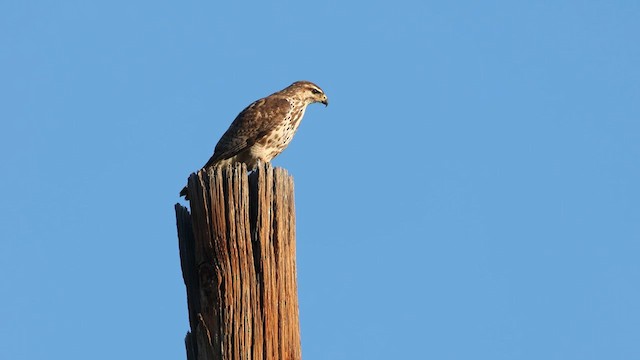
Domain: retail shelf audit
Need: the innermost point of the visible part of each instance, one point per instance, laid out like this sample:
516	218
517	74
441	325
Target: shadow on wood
237	252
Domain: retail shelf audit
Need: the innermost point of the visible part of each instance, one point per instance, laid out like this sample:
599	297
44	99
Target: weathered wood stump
237	251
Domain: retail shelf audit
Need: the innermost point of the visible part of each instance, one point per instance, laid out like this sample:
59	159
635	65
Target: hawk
264	129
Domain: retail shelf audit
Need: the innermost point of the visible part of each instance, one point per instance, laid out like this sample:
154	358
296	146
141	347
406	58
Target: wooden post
237	251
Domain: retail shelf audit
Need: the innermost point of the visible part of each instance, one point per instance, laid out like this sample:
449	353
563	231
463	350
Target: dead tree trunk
237	251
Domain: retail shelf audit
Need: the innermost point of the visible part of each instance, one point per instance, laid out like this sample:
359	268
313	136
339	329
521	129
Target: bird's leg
261	161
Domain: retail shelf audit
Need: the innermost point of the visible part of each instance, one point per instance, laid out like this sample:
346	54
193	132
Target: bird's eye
315	91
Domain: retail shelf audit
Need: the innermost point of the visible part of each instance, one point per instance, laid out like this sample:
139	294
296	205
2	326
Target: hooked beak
325	101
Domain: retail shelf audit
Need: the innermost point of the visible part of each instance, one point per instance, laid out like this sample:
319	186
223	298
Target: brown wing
253	123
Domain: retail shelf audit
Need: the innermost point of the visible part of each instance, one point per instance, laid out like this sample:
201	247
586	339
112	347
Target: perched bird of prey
264	129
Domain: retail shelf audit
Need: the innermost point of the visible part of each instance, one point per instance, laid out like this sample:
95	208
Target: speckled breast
280	138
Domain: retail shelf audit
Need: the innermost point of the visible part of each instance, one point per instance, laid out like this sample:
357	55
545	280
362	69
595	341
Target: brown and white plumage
264	129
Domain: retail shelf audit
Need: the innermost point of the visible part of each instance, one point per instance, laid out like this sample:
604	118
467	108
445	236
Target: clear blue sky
471	192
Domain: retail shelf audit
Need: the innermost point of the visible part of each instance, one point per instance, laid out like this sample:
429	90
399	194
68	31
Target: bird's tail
183	192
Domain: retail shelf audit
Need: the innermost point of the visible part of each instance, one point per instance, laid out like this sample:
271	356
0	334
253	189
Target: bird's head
310	92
